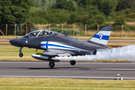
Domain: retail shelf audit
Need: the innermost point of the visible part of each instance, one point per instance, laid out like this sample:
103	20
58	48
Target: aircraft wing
52	52
48	54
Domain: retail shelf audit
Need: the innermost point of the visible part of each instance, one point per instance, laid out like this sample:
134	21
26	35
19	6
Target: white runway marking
76	77
122	69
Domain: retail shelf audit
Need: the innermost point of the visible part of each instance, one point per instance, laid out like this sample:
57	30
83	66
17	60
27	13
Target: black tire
51	64
21	54
72	62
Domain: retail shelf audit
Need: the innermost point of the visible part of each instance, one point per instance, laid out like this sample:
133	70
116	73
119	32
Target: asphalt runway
82	70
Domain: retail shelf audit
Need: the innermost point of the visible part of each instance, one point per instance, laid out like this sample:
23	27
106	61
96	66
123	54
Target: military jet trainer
60	45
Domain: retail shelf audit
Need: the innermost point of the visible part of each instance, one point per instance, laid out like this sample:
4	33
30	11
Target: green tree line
14	11
67	11
83	11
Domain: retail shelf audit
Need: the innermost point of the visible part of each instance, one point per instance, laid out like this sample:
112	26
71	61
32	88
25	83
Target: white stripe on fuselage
56	45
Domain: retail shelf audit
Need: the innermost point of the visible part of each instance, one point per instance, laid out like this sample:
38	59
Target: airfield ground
10	53
64	84
38	76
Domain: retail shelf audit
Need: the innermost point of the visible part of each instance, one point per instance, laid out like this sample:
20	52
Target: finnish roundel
26	41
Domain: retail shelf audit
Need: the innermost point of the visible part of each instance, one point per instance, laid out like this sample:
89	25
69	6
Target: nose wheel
21	54
51	64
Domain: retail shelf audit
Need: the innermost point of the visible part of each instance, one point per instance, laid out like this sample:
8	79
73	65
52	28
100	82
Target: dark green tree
90	21
65	4
124	4
83	18
43	4
73	18
77	1
119	21
100	19
14	11
107	6
87	4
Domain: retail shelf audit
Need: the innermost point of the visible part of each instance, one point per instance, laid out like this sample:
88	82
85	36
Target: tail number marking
101	35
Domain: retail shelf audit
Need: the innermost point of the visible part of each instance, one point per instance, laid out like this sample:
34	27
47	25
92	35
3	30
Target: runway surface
82	70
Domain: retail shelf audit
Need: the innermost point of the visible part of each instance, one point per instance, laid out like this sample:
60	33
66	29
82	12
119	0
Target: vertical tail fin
102	36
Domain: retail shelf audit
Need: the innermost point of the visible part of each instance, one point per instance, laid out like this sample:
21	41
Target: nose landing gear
21	54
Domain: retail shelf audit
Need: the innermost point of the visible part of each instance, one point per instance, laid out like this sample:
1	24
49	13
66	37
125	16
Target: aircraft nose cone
12	41
16	42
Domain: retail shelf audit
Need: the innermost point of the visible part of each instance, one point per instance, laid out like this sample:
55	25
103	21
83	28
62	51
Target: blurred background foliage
82	11
90	12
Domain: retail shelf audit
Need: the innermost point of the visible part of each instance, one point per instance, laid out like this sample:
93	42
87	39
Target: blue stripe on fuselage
59	46
46	45
104	37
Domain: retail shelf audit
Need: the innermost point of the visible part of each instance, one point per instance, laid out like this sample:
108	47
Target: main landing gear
20	52
72	62
51	64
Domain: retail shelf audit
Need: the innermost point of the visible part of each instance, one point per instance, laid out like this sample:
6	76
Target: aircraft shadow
80	68
48	68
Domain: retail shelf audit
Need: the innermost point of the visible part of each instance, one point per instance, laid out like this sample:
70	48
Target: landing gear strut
51	64
21	54
72	62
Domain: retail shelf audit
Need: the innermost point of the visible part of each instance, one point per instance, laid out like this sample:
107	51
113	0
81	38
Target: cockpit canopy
38	33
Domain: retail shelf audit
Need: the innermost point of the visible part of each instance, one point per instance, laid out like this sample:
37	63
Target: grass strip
11	53
64	84
79	37
121	43
8	52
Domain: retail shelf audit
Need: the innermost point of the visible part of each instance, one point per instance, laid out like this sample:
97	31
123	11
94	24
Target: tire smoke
121	53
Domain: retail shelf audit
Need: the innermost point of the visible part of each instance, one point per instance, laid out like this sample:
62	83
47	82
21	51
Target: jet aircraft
60	45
